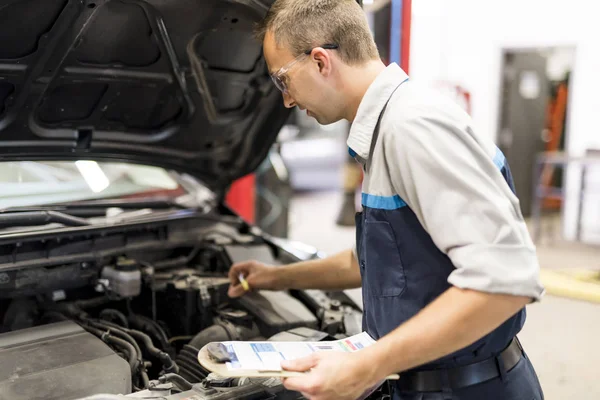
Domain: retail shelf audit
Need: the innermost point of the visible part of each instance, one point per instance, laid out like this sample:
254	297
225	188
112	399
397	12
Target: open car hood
180	84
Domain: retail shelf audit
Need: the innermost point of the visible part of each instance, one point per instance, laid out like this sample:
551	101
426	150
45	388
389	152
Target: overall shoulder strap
376	131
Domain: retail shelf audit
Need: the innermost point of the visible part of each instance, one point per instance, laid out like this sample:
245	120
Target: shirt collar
370	108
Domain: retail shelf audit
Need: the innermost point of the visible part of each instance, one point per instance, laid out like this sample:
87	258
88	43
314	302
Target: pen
244	282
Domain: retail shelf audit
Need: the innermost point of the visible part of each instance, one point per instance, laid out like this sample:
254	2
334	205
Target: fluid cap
126	265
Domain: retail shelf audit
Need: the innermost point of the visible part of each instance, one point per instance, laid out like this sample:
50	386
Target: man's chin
321	119
324	121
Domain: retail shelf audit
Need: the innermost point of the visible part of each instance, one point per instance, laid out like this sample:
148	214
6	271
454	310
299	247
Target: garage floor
561	335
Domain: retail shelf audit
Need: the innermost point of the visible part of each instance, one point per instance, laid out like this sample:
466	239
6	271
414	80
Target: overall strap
376	130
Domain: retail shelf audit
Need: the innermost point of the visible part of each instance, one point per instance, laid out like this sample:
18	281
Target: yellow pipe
580	284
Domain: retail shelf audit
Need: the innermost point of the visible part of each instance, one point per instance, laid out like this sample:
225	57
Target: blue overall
402	272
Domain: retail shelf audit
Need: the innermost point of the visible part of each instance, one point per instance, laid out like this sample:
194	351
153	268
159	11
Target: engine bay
130	323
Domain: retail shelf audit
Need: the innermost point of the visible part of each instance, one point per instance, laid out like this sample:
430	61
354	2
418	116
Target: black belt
463	376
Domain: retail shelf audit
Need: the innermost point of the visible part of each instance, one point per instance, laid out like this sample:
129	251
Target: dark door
522	118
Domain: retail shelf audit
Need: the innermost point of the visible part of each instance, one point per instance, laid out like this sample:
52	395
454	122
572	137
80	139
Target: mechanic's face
306	81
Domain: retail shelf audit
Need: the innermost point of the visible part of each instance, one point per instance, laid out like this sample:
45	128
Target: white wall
461	41
560	60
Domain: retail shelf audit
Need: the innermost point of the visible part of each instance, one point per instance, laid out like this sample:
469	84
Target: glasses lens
278	82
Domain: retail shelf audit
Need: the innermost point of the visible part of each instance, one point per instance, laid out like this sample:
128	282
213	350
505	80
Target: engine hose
132	359
178	380
215	333
160	332
110	314
146	324
119	333
168	364
75	309
145	378
91	303
70	310
179	261
124	345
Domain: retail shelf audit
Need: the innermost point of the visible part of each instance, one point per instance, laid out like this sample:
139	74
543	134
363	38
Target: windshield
30	183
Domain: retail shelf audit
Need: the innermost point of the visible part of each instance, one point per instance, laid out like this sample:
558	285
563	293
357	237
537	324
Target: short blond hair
304	24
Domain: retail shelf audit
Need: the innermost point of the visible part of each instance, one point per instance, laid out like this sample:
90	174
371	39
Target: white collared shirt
428	156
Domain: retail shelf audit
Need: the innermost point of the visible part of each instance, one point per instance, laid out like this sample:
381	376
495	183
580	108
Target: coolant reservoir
124	278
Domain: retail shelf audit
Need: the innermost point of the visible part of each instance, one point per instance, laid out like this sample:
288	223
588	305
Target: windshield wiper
36	218
125	204
97	208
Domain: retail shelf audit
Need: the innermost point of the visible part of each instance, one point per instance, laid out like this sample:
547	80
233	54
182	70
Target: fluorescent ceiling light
95	178
367	2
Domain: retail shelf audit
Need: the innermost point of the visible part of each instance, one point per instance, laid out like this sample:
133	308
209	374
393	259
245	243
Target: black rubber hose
176	262
75	309
132	359
190	368
119	332
177	380
160	332
129	349
169	365
145	378
71	310
110	314
146	324
35	218
91	303
215	333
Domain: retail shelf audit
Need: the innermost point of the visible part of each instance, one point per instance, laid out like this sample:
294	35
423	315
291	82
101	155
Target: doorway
533	115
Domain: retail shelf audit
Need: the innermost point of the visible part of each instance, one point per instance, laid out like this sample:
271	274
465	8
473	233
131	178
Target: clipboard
218	365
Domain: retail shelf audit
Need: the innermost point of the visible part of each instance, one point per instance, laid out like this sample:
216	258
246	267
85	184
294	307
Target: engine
51	361
132	325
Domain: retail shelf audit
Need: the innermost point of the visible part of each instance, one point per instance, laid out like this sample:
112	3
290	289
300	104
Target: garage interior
526	72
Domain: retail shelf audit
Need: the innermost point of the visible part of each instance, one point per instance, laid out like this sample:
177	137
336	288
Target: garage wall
461	41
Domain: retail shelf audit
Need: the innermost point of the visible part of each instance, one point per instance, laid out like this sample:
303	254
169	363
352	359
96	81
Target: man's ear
323	60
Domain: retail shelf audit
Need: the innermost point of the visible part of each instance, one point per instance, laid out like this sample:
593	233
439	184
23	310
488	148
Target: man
442	253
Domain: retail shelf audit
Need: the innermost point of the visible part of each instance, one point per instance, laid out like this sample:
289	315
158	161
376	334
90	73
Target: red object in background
405	41
555	120
241	197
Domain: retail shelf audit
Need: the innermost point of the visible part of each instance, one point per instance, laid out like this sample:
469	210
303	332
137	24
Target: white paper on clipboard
267	356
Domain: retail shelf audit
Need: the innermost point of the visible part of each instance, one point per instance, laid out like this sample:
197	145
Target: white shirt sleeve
450	182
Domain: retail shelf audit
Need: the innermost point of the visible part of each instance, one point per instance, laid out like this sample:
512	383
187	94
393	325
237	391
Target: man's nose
288	101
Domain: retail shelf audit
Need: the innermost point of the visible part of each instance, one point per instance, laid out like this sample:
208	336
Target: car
122	125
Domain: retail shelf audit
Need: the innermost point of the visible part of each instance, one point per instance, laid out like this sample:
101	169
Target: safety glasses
278	77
